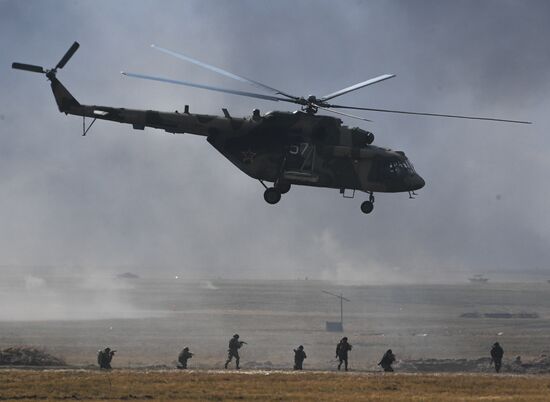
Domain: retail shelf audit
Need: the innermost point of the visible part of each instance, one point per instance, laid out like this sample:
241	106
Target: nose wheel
272	195
368	206
282	186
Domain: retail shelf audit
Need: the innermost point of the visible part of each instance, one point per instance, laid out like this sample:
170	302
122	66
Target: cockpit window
409	166
397	167
387	168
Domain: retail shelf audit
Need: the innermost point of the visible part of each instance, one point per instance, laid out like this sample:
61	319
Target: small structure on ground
478	279
128	275
335	326
28	356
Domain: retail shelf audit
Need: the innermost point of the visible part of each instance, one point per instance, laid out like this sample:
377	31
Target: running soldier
104	358
184	355
342	350
496	356
387	361
299	356
233	351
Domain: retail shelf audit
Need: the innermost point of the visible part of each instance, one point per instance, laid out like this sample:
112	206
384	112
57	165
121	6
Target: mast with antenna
337	326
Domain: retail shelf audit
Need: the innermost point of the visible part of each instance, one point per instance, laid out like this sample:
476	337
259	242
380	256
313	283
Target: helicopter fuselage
304	149
295	148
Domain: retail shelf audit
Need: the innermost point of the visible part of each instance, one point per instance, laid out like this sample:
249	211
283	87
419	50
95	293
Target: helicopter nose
417	182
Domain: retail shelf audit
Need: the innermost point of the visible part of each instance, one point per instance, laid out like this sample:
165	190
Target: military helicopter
283	148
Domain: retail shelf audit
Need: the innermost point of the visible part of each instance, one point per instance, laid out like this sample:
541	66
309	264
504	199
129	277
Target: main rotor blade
28	67
223	72
341	113
430	114
209	87
67	55
357	86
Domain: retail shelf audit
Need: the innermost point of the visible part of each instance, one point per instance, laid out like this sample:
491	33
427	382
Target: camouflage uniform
233	351
387	360
104	358
496	354
184	355
299	356
342	350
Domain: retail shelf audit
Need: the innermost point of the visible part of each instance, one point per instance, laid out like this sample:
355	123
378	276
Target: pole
342	310
342	298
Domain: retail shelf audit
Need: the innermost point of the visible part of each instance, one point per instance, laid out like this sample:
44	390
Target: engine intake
361	138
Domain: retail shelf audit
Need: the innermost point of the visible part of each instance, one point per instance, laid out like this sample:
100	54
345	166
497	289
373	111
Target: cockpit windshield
387	168
409	166
397	167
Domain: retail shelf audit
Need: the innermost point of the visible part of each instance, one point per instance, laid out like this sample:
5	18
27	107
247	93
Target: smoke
158	202
77	298
208	285
33	283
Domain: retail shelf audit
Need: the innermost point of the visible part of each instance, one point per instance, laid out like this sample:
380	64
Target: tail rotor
49	73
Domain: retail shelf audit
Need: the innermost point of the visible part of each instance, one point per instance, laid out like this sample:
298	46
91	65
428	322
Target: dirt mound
539	365
445	365
28	356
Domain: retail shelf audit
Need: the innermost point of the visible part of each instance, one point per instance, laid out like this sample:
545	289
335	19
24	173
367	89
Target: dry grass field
267	386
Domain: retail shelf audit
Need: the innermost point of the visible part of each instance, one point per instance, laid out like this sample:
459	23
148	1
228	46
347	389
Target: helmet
107	349
345	338
236	336
300	347
186	348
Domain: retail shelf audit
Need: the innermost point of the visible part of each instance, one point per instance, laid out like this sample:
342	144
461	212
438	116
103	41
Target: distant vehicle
478	279
127	275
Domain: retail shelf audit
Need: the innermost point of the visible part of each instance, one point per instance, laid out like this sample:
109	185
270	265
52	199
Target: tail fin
65	101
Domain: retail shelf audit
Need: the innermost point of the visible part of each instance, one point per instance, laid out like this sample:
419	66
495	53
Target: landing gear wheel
283	187
367	207
272	195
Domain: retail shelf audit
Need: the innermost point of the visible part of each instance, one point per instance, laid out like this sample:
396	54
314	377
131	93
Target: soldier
233	351
342	350
299	356
184	355
496	356
104	358
387	360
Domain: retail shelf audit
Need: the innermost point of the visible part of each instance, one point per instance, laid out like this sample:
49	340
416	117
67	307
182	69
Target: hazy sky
147	199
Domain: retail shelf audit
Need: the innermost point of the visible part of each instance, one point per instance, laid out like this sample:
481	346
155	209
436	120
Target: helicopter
286	149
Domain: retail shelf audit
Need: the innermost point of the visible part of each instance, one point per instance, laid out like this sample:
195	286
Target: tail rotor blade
28	67
68	55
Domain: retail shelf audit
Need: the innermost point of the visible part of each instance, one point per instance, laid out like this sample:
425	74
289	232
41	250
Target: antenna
337	326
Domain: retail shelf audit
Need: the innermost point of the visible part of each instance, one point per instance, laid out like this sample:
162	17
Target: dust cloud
32	297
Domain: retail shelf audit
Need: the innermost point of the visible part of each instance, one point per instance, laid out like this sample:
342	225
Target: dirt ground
267	386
